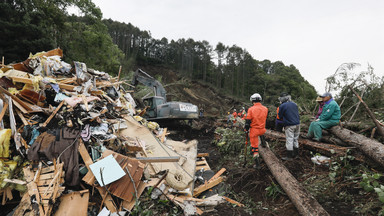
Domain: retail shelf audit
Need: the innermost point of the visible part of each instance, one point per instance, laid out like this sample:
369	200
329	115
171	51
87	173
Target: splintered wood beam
108	201
134	148
53	114
29	81
217	174
233	201
2	90
5	107
158	159
163	135
23	119
203	155
118	77
32	188
197	191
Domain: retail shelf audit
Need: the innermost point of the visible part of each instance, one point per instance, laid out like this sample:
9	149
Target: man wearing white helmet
255	123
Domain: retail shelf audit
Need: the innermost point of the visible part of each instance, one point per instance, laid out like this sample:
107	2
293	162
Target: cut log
369	147
323	148
305	203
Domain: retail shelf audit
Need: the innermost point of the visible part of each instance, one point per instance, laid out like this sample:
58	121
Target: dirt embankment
214	103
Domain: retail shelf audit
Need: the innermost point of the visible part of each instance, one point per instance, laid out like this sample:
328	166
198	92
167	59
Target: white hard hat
255	97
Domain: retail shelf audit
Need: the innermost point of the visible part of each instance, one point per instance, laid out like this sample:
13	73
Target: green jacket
331	112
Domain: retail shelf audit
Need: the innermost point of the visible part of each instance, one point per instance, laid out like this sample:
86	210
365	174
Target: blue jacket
290	113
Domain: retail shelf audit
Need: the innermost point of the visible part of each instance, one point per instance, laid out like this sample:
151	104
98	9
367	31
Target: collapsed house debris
68	129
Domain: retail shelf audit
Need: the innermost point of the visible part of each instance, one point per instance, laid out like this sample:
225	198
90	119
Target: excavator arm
142	77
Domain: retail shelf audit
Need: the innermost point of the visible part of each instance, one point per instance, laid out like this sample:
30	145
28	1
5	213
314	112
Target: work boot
289	156
257	163
295	152
262	140
307	136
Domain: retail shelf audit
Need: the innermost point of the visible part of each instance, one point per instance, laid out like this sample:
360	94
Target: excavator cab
152	103
157	106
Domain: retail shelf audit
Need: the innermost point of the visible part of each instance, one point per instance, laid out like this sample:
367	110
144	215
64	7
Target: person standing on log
289	112
330	116
255	124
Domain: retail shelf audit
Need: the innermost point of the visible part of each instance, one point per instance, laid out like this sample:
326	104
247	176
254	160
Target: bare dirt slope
214	103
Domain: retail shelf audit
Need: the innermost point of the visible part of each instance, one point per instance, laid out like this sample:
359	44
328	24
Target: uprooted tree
348	80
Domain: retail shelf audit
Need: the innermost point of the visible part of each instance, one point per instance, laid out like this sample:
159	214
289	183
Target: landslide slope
214	102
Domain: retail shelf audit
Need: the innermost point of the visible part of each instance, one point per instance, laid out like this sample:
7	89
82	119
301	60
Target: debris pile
70	134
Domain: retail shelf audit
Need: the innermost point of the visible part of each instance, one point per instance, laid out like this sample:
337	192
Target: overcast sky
315	36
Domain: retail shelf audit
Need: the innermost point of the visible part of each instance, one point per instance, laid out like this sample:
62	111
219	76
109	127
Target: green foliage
341	167
236	72
274	190
37	25
370	183
232	140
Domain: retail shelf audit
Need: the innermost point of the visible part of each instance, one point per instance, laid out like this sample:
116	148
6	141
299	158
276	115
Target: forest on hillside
33	26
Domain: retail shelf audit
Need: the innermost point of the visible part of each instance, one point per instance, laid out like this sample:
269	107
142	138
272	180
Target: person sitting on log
330	116
321	104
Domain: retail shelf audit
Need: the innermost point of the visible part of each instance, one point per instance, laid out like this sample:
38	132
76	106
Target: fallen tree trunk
379	128
305	203
334	140
323	148
369	147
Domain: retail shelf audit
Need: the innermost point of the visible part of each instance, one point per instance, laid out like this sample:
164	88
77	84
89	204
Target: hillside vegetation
33	26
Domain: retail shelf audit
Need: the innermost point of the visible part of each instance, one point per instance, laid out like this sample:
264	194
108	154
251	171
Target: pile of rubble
68	131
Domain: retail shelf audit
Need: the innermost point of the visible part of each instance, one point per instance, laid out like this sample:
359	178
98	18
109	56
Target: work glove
317	119
247	125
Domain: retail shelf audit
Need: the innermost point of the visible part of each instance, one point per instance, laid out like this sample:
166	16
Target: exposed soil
245	184
248	185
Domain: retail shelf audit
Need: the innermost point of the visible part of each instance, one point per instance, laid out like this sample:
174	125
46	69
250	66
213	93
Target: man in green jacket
330	116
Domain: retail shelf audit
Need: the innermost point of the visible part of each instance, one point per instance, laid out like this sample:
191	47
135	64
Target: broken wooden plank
2	90
48	169
158	159
47	181
29	81
23	119
221	171
163	135
15	181
75	203
233	201
32	188
203	155
53	114
124	188
5	107
88	161
197	191
47	176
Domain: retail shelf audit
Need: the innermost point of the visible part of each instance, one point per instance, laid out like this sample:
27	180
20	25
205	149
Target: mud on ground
248	185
